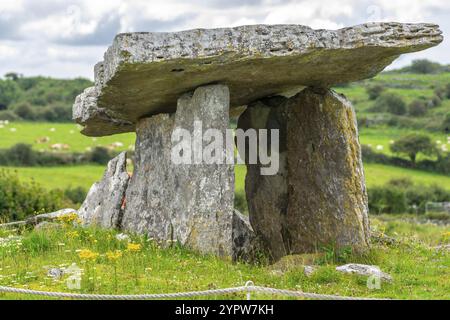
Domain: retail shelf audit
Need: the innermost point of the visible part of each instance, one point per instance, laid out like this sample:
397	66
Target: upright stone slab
189	203
204	193
103	206
327	194
267	194
150	192
318	197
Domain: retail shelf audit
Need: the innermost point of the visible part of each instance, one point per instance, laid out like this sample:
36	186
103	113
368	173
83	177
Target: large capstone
104	203
179	202
318	196
145	73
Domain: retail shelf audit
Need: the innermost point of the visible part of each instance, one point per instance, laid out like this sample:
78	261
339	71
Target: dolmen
177	90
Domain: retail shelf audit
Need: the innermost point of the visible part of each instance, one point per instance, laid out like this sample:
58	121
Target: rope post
248	285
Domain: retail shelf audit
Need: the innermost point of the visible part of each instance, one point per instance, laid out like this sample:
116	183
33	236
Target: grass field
384	136
66	133
85	176
112	266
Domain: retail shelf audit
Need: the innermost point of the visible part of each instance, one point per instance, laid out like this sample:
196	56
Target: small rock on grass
309	270
122	237
443	247
55	273
364	270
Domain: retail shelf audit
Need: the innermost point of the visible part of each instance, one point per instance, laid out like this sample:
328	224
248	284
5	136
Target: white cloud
65	39
7	51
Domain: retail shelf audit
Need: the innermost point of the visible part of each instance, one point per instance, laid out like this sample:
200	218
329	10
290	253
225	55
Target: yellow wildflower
68	218
87	254
113	255
73	234
134	247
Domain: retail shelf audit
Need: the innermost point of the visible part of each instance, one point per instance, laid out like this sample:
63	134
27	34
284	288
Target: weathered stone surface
267	195
103	206
364	270
318	196
149	194
188	203
309	270
144	74
47	217
246	245
327	202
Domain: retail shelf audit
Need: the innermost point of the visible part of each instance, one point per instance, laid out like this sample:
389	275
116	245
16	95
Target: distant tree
417	108
390	102
375	91
425	66
12	76
48	114
25	111
62	113
9	92
413	144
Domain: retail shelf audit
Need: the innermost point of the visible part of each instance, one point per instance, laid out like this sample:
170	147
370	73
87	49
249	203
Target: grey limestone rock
188	203
364	270
104	203
318	197
144	73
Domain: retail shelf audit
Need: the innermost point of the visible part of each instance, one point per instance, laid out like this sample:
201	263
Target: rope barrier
248	289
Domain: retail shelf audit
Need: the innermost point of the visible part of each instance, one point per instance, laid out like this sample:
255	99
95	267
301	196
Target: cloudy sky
66	38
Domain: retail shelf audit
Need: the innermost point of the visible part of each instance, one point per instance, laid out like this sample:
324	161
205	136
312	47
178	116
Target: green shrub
21	154
390	102
387	199
417	108
402	196
19	200
440	92
76	195
436	101
8	115
99	155
446	123
447	91
25	111
375	91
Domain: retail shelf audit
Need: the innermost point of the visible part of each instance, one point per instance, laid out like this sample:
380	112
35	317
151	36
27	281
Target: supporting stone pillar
327	193
203	196
318	198
267	195
189	203
103	206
